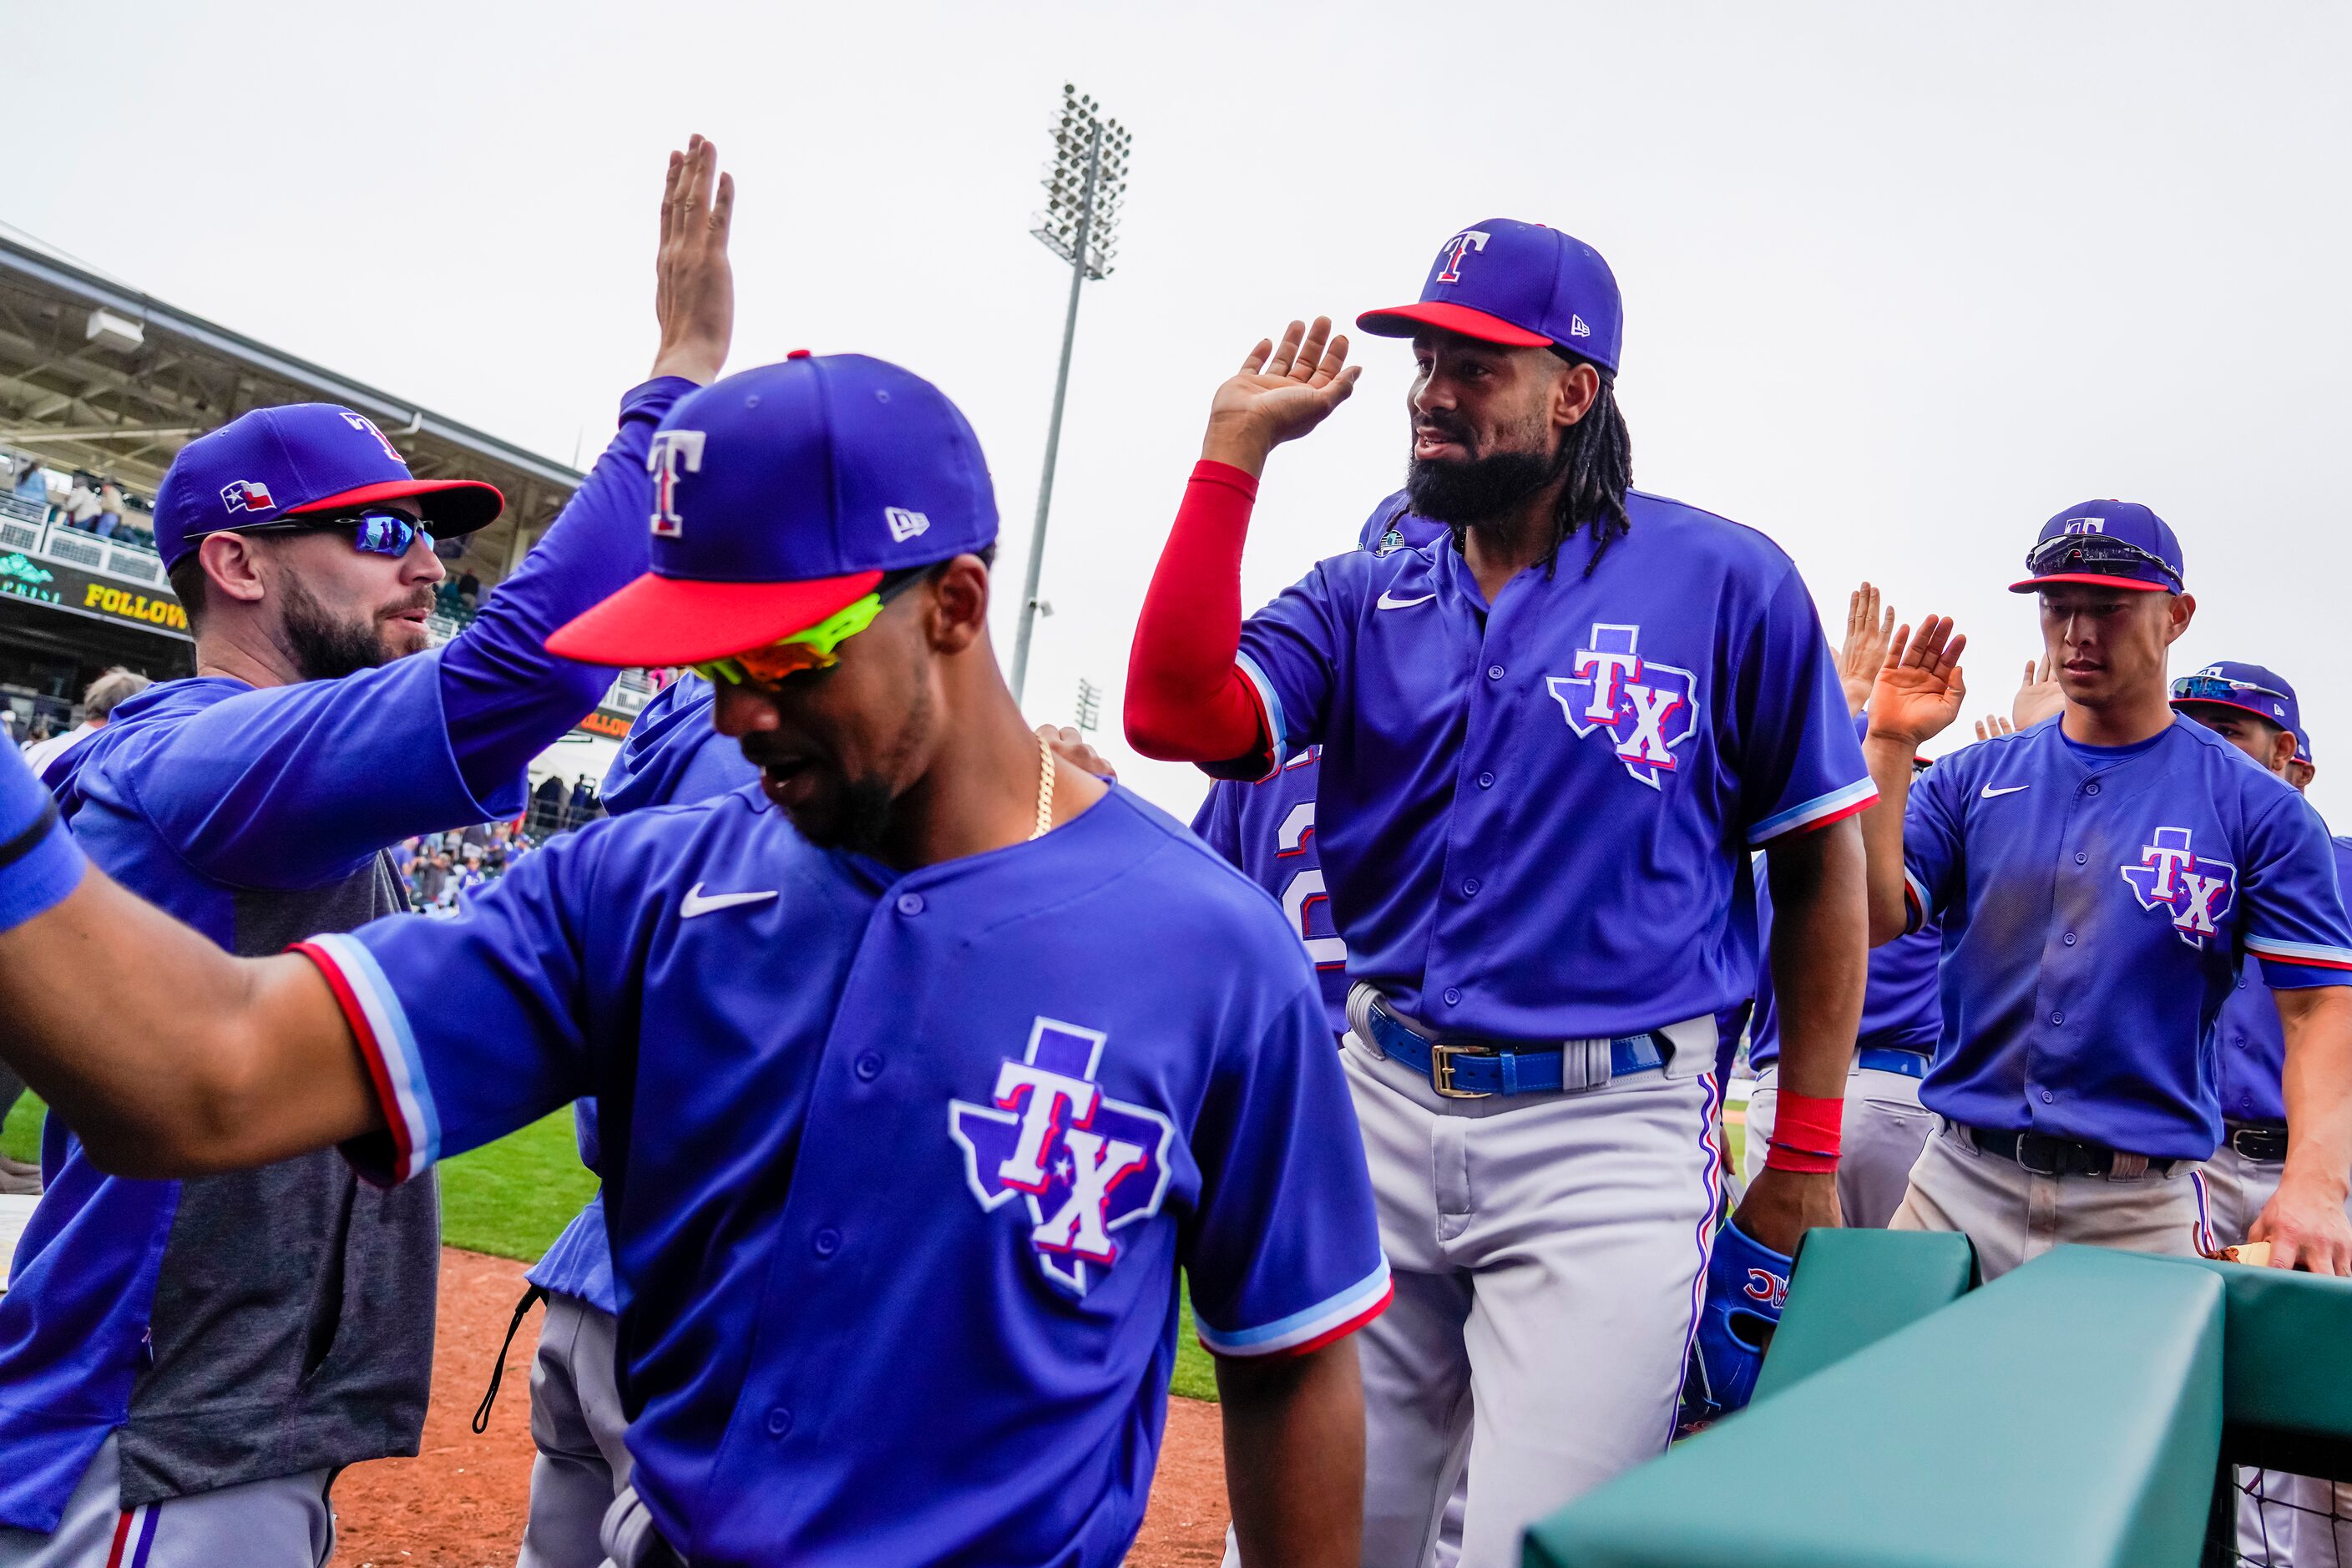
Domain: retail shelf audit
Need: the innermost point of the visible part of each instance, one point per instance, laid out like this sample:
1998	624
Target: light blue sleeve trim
1359	1301
1272	701
1862	791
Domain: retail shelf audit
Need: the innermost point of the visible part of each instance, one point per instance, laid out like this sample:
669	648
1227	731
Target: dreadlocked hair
1596	455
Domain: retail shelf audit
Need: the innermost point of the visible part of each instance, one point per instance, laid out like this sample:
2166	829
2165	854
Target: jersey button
911	903
780	1421
1486	780
2057	1018
2045	1097
868	1067
2091	788
1453	996
2068	938
1469	887
826	1242
1494	672
2081	858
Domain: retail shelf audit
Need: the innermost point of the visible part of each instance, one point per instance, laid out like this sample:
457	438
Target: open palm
1920	688
1283	390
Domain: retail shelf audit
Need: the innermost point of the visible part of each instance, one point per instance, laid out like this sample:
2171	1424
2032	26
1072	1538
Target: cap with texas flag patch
1519	284
779	496
299	458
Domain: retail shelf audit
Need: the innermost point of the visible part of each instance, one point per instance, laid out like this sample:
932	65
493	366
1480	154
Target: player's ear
956	609
1573	391
2281	750
2181	609
232	564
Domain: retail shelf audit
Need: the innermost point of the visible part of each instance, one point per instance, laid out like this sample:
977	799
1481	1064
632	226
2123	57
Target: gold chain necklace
1044	790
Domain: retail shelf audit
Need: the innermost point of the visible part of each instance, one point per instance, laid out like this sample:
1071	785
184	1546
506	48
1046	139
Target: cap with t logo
2107	544
781	496
1517	284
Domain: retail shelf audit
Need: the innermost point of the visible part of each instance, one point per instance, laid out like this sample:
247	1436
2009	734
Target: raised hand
1071	746
1919	688
1866	639
1281	392
1993	724
2038	696
694	283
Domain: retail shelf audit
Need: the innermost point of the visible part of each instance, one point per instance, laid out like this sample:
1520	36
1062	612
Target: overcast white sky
1900	282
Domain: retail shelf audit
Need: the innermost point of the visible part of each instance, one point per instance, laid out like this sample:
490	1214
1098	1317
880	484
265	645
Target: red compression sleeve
1806	1133
1186	700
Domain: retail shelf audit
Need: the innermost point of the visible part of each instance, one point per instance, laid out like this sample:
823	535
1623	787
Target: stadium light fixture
1089	705
1085	185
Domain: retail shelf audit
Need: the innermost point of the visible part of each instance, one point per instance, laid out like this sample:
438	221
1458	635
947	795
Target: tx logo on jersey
1646	710
2192	889
246	494
1083	1164
672	452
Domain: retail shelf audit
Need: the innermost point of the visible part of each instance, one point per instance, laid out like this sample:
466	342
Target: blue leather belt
1474	1070
1885	1059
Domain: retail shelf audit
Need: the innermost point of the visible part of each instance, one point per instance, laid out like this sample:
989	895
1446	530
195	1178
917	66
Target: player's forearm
1820	958
1889	760
1294	1431
2317	1022
506	697
166	1055
1186	700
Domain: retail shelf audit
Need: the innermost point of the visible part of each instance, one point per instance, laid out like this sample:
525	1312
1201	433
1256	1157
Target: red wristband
1806	1132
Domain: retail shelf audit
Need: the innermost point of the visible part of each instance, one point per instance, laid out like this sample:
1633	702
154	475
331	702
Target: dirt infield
459	1504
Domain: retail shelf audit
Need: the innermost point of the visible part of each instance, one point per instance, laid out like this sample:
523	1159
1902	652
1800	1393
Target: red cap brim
451	507
2032	583
659	620
1404	320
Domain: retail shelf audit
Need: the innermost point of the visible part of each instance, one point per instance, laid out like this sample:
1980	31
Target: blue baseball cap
2111	543
1519	284
783	495
2248	688
273	464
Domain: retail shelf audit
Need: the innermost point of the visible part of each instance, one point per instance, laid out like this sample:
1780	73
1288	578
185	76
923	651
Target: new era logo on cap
1577	329
904	524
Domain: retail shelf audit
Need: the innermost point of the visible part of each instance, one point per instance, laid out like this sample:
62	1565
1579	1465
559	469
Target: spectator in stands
583	801
118	685
546	807
109	510
432	879
31	486
40	733
470	593
470	875
82	505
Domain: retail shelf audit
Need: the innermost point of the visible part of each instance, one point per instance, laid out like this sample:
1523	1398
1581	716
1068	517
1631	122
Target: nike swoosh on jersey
694	903
1988	792
1385	603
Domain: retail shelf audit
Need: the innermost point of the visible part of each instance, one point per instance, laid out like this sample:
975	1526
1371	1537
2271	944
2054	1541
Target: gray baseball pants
575	1420
282	1522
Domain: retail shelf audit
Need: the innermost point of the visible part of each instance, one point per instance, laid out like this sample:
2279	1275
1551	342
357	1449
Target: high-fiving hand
2039	695
694	283
1281	392
1867	636
1919	688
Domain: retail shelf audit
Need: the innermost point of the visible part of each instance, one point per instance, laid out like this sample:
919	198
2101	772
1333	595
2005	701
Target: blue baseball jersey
672	756
156	1309
899	1169
2249	1044
1533	817
40	862
1266	830
2095	906
1901	1008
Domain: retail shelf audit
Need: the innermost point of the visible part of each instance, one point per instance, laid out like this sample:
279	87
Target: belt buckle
1440	1070
2056	1160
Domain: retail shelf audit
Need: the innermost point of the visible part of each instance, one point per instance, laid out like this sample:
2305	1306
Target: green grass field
513	1197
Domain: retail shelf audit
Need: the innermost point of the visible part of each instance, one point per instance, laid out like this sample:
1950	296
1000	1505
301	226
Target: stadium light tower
1084	186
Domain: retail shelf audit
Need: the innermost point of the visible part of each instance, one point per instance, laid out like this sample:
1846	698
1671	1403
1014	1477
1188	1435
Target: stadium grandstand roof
97	375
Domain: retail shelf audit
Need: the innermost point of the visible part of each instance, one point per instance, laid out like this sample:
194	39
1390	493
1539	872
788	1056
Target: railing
115	558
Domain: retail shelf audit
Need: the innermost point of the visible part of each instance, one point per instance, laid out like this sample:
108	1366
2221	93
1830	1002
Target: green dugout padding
2287	1369
2069	1413
1851	1289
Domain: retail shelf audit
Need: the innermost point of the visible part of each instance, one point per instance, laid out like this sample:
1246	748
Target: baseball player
907	1121
673	756
2099	881
2255	711
1884	1128
1547	740
184	1366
